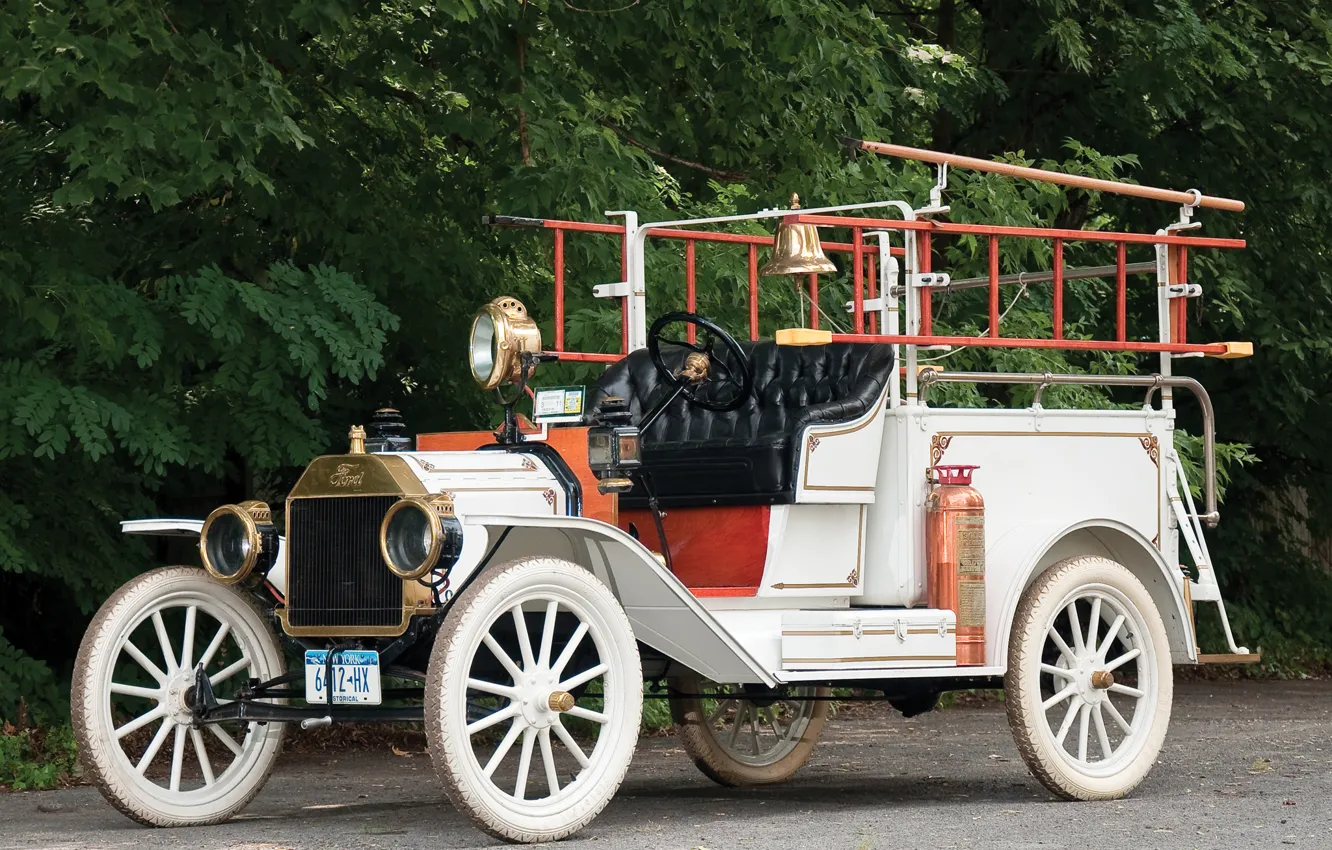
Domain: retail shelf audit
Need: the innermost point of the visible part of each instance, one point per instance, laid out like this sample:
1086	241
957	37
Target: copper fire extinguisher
955	552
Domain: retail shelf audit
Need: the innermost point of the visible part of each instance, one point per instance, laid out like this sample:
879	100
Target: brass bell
796	249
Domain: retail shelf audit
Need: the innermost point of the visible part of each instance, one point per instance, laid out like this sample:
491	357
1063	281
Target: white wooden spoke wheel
1089	680
134	728
533	699
737	740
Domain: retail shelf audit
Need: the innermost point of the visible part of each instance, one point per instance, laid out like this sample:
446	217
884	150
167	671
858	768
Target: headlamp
235	538
501	333
420	534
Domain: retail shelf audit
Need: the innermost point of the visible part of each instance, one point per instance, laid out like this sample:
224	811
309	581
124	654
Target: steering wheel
702	362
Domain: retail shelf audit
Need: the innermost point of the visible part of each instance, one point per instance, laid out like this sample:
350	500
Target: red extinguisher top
958	474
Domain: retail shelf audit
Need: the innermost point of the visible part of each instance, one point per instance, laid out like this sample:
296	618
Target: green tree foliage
229	229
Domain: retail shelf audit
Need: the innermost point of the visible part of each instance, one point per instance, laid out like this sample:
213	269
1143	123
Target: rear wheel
533	699
1089	681
134	727
737	740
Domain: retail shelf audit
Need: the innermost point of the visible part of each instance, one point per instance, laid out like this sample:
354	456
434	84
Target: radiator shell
337	583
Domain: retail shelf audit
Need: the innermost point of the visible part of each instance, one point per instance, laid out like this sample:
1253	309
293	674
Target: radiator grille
335	575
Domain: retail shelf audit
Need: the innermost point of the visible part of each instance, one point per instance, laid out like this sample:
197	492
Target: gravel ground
1246	764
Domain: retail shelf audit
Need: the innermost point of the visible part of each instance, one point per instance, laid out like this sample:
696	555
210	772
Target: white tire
737	741
536	653
136	739
1089	681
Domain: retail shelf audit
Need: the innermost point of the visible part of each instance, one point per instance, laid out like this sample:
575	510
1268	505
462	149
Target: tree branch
731	176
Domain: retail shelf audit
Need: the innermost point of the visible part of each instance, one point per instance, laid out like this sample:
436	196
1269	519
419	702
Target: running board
1231	658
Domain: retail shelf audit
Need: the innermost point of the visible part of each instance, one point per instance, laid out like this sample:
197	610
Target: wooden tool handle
1041	174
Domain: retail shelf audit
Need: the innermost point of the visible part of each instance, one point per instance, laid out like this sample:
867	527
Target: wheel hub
177	695
541	699
1087	673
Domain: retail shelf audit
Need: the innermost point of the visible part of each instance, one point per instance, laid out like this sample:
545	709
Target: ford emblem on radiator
347	475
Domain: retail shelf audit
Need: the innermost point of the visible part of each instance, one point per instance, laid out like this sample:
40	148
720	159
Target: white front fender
664	614
172	527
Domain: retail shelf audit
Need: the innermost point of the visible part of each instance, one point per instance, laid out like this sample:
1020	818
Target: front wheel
1089	679
737	739
137	738
533	699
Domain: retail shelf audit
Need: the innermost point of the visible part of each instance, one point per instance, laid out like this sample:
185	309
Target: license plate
354	674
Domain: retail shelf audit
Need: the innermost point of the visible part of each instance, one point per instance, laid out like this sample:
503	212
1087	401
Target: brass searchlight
501	333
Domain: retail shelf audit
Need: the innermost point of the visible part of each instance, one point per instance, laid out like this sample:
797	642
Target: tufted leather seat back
793	386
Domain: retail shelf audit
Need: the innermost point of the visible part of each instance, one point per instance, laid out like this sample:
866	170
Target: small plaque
971	603
559	404
970	545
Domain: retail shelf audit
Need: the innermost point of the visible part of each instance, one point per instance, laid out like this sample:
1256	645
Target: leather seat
745	456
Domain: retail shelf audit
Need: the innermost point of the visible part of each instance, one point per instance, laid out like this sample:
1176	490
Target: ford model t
741	525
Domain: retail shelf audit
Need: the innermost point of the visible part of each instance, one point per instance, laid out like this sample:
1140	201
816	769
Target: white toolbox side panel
859	639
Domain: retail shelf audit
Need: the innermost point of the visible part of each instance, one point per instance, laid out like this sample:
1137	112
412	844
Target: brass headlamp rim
435	508
251	513
514	333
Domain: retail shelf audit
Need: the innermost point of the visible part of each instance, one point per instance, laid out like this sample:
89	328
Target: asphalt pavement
1246	764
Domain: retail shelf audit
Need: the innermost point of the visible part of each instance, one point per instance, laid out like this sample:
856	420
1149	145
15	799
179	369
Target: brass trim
1138	435
845	489
938	445
560	701
852	580
864	658
357	475
1153	447
356	440
352	631
250	513
614	486
695	367
435	508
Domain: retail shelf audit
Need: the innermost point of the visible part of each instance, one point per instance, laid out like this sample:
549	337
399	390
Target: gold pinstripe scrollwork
938	445
1153	447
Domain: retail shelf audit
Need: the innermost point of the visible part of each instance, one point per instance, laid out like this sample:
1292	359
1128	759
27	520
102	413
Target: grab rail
1190	198
1153	383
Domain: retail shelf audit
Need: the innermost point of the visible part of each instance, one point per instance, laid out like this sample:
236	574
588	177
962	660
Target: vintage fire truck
738	527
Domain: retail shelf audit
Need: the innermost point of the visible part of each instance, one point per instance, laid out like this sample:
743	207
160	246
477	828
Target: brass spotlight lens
232	540
417	534
501	333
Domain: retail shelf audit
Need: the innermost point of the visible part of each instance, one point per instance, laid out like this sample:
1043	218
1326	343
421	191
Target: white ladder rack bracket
935	280
869	305
613	290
